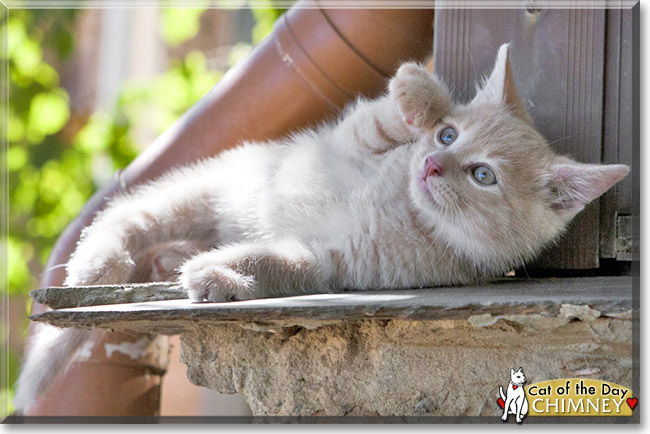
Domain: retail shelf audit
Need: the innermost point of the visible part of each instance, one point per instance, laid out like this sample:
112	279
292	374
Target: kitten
514	399
408	190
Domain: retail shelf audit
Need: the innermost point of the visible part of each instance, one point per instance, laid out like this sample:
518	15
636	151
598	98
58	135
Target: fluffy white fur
346	205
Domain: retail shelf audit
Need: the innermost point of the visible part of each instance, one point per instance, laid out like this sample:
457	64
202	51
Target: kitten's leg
103	256
247	271
155	215
415	102
157	226
160	262
51	348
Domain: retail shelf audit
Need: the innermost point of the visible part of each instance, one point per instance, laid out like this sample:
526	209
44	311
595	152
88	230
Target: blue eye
484	175
448	135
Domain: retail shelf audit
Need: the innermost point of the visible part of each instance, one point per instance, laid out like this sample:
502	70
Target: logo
564	397
514	401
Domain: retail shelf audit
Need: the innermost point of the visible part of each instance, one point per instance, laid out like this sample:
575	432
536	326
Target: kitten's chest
338	196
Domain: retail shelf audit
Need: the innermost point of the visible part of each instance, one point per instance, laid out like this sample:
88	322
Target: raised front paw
421	98
205	279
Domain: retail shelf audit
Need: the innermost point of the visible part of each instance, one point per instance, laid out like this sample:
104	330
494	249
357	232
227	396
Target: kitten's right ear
573	185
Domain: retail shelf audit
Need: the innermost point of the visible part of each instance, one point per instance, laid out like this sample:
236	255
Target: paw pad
421	99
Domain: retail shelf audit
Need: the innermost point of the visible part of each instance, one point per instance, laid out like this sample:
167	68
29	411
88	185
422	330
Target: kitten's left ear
500	87
573	185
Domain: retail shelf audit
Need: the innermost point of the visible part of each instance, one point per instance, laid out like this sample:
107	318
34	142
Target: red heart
514	387
503	404
632	402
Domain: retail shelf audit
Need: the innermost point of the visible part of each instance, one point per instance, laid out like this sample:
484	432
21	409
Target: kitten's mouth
424	186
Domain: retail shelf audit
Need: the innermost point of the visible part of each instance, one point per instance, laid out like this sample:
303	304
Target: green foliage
48	113
56	160
46	175
179	25
264	18
53	171
160	101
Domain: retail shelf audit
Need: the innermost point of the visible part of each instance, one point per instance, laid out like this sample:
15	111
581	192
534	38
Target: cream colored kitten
408	190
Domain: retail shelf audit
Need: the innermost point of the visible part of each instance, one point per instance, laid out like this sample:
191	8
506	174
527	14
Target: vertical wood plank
618	128
558	63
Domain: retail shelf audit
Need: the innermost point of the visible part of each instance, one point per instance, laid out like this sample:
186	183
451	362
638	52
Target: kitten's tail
503	396
51	351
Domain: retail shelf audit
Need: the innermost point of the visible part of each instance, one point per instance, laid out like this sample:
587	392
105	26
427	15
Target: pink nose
432	167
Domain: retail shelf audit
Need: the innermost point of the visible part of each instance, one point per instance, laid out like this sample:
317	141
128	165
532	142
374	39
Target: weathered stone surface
429	352
510	296
402	367
58	297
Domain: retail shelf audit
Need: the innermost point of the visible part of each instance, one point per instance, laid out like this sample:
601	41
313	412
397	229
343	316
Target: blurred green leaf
27	57
179	25
19	256
46	75
48	112
55	158
97	134
15	128
15	35
264	18
16	158
6	395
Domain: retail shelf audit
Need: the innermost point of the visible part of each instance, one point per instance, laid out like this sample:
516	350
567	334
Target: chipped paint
85	351
134	350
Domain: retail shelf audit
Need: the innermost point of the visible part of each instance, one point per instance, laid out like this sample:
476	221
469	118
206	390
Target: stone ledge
427	352
609	295
59	297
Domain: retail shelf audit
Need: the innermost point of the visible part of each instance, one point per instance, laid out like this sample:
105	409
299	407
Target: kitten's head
517	377
491	185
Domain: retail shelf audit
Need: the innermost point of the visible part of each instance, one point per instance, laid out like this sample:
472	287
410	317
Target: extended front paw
205	280
421	98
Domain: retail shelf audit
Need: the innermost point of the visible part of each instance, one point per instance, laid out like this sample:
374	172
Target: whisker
559	140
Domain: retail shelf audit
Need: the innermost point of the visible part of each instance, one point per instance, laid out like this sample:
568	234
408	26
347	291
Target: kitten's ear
500	87
512	371
573	185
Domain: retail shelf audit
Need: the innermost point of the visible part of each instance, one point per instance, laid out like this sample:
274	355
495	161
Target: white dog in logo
514	401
